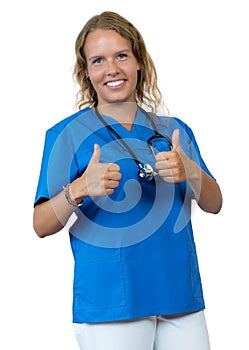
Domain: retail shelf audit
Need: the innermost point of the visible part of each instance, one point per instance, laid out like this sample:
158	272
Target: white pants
187	332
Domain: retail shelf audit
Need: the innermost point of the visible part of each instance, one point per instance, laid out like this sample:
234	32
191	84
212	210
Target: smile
115	83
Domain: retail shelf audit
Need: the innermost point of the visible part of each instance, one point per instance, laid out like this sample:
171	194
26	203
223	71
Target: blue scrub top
134	251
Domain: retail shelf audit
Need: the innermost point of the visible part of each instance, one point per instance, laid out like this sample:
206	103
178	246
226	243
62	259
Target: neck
123	112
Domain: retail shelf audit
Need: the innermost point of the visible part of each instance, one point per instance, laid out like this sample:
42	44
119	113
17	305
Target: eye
122	56
98	60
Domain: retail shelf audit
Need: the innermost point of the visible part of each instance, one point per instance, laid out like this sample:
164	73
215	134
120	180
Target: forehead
103	41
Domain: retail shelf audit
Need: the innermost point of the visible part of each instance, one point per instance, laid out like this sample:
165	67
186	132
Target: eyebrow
92	58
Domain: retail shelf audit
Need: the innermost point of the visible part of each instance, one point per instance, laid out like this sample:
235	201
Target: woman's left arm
175	166
205	189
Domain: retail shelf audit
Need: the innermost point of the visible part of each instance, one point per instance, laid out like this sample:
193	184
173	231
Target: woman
122	180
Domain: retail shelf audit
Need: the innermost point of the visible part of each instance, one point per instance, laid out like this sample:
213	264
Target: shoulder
61	125
172	123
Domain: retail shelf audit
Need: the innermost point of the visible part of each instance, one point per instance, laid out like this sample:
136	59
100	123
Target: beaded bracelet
68	197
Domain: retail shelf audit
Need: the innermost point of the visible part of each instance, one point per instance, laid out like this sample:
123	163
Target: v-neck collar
139	120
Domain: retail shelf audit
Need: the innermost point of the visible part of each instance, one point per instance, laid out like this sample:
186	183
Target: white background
200	49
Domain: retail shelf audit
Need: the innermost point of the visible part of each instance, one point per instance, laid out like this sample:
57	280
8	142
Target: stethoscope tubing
145	170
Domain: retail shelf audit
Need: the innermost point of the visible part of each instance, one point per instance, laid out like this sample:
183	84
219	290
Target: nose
112	68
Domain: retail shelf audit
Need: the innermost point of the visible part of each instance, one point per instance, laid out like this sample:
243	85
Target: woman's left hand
172	165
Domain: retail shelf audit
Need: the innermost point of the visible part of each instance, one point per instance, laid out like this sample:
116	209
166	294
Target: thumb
176	139
96	154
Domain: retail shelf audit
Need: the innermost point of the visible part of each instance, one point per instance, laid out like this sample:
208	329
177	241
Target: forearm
51	216
206	190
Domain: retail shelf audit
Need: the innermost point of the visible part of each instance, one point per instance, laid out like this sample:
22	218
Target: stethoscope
157	143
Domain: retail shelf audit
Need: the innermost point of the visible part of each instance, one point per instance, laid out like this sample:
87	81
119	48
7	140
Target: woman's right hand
99	179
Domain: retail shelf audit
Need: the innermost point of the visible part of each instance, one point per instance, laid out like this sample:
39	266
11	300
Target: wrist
193	172
78	189
70	196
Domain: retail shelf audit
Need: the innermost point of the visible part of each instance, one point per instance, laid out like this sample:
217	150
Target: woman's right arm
99	179
52	215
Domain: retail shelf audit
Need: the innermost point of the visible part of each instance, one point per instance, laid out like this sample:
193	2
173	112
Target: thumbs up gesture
172	165
99	179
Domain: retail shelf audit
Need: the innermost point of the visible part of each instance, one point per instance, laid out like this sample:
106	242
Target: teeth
115	83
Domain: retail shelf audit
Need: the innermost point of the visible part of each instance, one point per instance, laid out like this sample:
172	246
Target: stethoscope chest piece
146	172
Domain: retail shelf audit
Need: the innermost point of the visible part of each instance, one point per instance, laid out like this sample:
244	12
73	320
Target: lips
115	83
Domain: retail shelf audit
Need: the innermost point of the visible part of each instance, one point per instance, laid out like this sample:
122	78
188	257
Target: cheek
134	75
95	76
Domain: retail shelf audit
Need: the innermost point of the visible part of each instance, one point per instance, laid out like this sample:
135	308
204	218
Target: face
111	66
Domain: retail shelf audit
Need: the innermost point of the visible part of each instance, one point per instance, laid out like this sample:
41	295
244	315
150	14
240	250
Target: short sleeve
190	146
57	166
